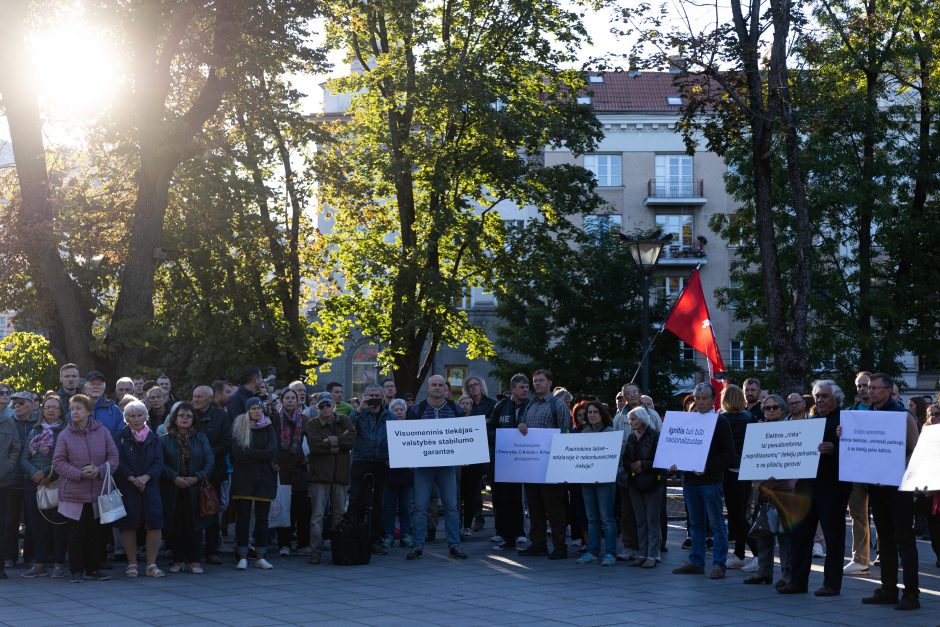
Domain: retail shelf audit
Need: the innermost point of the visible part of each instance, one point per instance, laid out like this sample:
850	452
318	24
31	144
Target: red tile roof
633	92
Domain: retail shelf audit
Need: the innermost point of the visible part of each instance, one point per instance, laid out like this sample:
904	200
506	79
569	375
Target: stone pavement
489	588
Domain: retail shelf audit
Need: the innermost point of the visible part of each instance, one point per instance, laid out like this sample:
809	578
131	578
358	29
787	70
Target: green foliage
26	363
576	311
446	128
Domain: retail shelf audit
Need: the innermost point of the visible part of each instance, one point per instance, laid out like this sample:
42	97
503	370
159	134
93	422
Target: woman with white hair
645	484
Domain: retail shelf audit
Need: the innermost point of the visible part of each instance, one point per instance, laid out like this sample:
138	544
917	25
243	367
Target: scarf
141	436
291	430
45	441
184	440
260	424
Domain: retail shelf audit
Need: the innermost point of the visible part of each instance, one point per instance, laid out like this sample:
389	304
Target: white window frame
674	176
675	223
606	168
603	225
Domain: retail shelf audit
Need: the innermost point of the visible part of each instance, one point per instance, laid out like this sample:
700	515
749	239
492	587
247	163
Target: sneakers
626	556
242	564
717	572
650	563
466	533
504	546
818	550
609	560
388	541
379	549
882	597
587	558
263	564
909	601
688	569
750	565
734	563
39	570
284	551
854	568
77	577
97	576
414	553
687	543
58	572
478	524
457	553
558	553
407	541
497	539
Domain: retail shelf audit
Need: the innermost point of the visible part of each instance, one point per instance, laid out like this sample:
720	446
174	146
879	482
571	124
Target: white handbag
110	503
47	496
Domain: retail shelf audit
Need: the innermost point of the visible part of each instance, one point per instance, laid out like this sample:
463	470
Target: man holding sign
436	406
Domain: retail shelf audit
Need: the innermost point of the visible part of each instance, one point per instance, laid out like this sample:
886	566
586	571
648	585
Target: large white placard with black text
437	442
584	457
923	471
784	449
685	440
522	458
871	448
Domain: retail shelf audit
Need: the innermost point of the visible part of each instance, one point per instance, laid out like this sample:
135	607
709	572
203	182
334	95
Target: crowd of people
189	469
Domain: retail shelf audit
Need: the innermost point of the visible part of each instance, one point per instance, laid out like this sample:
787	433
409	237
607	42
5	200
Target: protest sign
522	458
584	457
437	442
871	449
685	440
785	449
923	471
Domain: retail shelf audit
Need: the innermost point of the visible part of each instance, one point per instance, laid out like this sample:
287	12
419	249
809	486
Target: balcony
679	255
662	192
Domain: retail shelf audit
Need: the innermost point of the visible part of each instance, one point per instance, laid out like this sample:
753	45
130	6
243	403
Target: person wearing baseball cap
105	411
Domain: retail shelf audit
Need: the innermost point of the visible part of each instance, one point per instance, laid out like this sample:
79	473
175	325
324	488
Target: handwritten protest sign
584	457
871	449
522	458
923	471
783	450
685	440
437	442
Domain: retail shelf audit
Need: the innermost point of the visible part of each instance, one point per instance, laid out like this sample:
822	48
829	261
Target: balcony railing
694	253
675	188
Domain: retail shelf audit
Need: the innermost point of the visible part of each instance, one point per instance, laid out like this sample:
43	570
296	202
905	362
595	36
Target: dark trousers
243	521
4	495
86	541
213	532
663	519
361	494
827	502
546	501
185	540
301	511
737	497
933	528
10	518
471	501
576	512
894	522
627	520
507	511
48	530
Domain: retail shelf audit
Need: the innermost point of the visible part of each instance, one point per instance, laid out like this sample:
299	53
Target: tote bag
47	496
110	503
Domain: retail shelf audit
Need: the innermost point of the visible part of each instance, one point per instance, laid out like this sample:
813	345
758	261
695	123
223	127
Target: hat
23	396
251	402
94	374
324	397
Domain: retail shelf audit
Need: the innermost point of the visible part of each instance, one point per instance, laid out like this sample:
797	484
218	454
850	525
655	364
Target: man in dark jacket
507	497
24	420
211	420
370	457
69	378
893	511
249	383
471	475
10	448
106	412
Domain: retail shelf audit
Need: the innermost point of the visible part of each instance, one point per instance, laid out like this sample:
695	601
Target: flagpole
649	346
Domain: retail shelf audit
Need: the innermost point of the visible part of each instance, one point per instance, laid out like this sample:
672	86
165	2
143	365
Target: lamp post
645	254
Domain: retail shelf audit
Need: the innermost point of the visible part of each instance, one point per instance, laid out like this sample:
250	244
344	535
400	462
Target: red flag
689	321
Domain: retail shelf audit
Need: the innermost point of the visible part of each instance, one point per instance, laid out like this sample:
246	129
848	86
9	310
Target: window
584	100
736	357
603	226
595	78
673	175
605	168
686	352
668	288
680	226
674	101
514	225
364	369
746	357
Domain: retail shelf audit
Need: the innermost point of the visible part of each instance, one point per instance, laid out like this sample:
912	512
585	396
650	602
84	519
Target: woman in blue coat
138	479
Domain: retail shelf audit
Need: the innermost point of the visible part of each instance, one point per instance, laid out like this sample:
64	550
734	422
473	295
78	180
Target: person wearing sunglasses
6	409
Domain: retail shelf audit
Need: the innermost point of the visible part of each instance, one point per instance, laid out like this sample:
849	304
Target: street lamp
645	254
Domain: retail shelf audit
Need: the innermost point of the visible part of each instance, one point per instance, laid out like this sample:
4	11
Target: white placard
871	449
685	440
584	457
522	458
923	471
437	442
784	449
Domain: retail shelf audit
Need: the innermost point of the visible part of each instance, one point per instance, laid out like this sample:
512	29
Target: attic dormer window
595	78
584	100
674	101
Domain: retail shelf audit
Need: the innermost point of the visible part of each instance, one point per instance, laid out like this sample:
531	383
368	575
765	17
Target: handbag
766	522
110	503
279	514
209	502
47	496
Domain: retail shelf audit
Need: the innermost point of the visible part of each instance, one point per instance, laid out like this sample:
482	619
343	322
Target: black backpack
350	543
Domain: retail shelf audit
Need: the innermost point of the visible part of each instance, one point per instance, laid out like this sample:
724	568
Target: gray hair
837	392
124	380
647	416
466	386
565	396
135	405
777	398
369	388
396	402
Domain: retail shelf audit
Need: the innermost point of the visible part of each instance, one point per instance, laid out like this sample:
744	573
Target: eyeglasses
18	401
769	407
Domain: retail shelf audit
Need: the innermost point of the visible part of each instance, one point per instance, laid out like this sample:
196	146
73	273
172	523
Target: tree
27	364
450	112
573	311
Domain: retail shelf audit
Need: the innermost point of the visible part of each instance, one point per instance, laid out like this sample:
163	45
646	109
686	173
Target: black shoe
780	583
456	552
881	597
534	551
826	591
792	588
756	579
909	601
505	545
709	543
559	553
97	576
379	549
687	543
664	549
414	554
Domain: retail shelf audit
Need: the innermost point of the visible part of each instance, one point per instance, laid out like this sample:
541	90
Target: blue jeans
446	479
599	503
705	502
398	498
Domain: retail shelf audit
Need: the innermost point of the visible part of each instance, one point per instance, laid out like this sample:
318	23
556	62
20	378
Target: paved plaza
489	588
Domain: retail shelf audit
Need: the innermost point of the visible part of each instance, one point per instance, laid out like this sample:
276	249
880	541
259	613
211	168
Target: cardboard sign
437	442
871	449
685	440
785	449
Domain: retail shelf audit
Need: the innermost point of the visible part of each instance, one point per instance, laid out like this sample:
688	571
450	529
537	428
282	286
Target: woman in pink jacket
81	452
